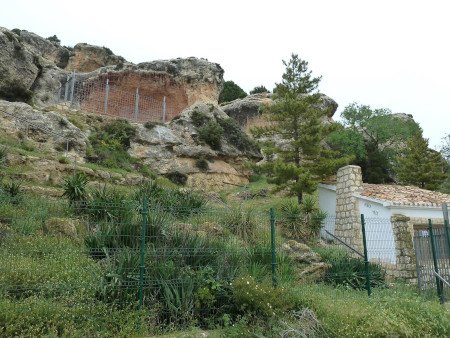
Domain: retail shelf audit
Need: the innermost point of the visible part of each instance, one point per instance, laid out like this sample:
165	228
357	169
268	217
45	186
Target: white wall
379	233
327	203
421	212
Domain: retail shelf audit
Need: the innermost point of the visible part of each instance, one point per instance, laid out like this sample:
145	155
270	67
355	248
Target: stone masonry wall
348	226
404	249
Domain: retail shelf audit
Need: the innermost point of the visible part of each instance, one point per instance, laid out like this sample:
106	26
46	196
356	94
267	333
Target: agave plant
75	187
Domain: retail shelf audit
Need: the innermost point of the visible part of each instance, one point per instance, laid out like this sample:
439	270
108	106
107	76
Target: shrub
235	135
108	51
63	160
110	144
177	177
150	124
12	190
349	271
240	222
54	39
16	31
15	91
260	299
259	89
302	221
75	187
202	164
211	134
199	119
231	91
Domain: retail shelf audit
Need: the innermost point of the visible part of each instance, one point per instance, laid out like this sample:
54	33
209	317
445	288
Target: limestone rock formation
48	128
247	108
250	107
86	58
17	62
176	148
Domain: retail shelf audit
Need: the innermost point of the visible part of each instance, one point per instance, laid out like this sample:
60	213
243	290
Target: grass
395	312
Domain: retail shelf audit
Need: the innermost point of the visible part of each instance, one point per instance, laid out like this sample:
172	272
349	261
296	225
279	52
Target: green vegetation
202	164
75	187
259	89
231	91
421	166
54	39
211	133
109	145
302	161
374	138
348	271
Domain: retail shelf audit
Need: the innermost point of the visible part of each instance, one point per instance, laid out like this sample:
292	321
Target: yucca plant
75	188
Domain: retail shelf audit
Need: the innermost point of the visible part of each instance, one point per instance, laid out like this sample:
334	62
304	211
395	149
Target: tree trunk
300	197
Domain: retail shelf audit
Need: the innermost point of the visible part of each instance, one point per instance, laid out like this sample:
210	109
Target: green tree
54	38
420	165
259	89
445	152
231	91
300	160
374	137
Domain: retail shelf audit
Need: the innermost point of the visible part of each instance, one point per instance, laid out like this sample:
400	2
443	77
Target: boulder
242	110
87	58
18	64
63	227
42	127
300	252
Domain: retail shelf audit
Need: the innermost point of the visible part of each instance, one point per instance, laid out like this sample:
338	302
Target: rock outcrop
86	58
249	108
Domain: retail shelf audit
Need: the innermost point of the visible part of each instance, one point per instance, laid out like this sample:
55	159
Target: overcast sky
387	54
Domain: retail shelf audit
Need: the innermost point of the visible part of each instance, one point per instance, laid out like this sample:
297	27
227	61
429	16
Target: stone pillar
404	248
348	225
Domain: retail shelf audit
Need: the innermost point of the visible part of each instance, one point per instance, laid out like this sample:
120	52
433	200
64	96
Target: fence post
164	110
435	263
66	89
142	251
136	105
72	88
273	247
105	104
366	258
446	224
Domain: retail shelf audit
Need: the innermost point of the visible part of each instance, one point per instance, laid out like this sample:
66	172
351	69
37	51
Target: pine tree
300	160
421	166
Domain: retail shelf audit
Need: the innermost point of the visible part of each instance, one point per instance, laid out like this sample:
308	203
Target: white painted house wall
379	233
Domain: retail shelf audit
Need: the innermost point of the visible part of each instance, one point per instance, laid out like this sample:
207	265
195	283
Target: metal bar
164	110
435	263
441	278
273	247
105	103
72	88
66	89
366	258
142	251
343	243
136	104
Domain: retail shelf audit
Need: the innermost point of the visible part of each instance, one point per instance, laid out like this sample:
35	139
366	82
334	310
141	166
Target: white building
391	212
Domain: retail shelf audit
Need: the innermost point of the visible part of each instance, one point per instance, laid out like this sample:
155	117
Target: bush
259	89
211	134
199	119
236	136
110	144
349	271
15	91
177	177
54	39
75	187
202	164
231	91
260	299
240	222
302	221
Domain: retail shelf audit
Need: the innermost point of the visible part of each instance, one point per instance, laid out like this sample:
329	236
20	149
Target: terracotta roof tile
404	195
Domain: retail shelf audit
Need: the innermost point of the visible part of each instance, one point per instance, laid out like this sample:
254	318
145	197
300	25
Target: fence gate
426	241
